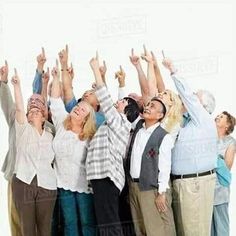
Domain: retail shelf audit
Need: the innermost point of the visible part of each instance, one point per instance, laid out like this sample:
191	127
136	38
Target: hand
41	59
168	64
46	77
146	56
161	202
55	71
71	71
15	79
103	69
63	57
4	72
94	63
120	75
135	60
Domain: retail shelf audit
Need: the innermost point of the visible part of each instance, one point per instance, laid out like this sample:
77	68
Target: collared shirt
140	142
107	148
70	152
34	156
195	150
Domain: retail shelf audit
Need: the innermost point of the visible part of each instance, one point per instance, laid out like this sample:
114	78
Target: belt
136	180
209	172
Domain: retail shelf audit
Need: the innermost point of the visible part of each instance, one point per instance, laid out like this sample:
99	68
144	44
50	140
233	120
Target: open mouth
146	111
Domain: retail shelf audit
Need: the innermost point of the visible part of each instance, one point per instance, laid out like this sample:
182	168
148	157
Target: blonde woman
73	132
34	181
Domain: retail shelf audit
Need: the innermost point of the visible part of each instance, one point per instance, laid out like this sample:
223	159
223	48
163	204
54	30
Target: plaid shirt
107	148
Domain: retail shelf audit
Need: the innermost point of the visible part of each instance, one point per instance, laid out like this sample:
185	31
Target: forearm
98	78
159	80
67	85
55	89
37	82
44	91
151	79
142	80
20	113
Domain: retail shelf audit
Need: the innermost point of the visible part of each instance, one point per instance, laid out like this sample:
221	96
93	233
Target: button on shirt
140	142
34	155
70	152
195	150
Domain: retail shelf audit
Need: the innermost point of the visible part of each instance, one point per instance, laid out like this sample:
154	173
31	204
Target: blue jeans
220	220
78	213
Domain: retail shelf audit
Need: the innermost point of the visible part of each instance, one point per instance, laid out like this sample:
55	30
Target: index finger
162	51
67	49
6	64
121	69
15	72
132	52
57	64
145	50
104	64
48	70
43	51
97	55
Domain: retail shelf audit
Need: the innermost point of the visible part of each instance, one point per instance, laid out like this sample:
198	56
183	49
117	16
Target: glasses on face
36	100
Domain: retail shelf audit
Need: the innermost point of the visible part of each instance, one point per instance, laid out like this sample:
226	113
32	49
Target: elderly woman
73	132
34	181
226	148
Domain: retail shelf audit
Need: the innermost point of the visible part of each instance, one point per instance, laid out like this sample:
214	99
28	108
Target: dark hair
231	122
162	104
131	110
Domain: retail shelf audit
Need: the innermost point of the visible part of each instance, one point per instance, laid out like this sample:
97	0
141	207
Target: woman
34	181
227	148
73	132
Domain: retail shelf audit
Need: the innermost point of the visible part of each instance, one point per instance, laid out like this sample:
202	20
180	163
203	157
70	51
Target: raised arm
135	60
159	80
103	70
37	82
55	87
120	76
66	76
20	113
45	80
6	99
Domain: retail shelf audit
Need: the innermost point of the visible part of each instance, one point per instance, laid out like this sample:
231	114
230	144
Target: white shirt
34	156
70	152
140	142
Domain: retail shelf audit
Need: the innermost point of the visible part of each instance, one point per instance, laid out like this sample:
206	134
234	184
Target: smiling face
35	115
80	112
153	111
120	105
90	97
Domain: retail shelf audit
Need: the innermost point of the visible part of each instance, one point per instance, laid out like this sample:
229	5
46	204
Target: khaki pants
147	219
12	214
193	205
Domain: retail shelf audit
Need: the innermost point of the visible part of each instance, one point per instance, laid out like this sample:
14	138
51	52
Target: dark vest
148	178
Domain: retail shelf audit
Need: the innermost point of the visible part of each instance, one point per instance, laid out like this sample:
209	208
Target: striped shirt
107	148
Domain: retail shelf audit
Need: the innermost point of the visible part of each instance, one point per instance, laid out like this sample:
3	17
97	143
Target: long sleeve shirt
195	150
106	150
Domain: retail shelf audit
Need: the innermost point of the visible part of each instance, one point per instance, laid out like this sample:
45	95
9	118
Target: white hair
207	100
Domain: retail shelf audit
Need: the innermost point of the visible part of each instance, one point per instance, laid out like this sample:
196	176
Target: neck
76	126
221	132
149	123
38	126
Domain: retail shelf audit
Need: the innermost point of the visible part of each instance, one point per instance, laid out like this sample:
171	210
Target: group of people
146	164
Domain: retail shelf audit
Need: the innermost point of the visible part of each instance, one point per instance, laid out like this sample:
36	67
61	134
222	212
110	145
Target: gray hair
207	100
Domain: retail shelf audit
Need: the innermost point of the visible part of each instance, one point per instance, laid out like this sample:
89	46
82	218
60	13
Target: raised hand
41	59
71	71
55	71
146	55
63	57
4	72
120	75
168	64
103	69
135	60
94	63
46	76
15	78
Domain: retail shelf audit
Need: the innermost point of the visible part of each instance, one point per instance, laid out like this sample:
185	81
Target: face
221	121
153	111
35	115
80	112
90	97
166	98
120	105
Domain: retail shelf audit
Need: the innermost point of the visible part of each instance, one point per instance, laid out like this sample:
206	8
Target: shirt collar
151	128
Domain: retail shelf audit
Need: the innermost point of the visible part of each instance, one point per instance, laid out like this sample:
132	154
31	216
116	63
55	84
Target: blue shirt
37	83
100	118
195	150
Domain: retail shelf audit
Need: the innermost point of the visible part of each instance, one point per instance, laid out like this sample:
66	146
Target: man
193	161
104	163
149	165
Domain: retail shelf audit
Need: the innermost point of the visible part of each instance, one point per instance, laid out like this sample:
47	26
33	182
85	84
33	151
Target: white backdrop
197	35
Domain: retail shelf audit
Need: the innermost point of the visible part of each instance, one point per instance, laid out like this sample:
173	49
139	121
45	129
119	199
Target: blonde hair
174	115
89	124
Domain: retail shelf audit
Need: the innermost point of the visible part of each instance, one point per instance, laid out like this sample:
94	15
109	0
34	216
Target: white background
197	35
